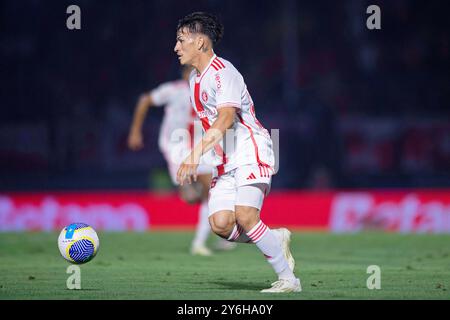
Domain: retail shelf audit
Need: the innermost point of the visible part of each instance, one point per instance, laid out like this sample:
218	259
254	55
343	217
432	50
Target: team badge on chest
204	96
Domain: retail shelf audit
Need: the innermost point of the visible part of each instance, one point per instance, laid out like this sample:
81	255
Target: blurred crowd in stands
356	108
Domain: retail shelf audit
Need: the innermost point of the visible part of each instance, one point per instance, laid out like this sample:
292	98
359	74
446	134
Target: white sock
270	246
203	228
238	235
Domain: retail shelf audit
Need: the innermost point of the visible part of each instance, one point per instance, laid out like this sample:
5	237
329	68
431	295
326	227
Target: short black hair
202	22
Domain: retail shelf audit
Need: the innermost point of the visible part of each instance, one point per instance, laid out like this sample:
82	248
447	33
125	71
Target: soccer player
178	114
243	172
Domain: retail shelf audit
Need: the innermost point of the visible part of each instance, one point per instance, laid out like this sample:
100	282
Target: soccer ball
78	243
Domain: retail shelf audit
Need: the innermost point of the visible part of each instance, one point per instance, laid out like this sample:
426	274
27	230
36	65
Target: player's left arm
224	121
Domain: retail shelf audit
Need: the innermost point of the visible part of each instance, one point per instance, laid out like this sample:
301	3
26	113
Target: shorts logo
205	96
251	176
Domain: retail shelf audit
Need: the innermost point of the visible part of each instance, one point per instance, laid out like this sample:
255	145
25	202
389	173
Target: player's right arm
135	138
224	121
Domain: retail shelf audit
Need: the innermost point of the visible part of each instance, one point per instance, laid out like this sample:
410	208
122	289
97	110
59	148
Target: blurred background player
243	173
174	145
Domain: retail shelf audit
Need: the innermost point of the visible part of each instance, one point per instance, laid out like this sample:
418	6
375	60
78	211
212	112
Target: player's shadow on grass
82	289
240	285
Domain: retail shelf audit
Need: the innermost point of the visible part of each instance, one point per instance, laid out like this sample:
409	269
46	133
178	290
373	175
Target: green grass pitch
157	266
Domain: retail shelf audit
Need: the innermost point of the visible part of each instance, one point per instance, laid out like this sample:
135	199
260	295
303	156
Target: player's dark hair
202	22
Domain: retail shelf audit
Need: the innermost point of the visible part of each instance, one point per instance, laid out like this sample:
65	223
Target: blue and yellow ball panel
70	229
81	251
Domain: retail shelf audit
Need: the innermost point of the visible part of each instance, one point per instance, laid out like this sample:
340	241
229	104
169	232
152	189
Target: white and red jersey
220	85
180	128
174	96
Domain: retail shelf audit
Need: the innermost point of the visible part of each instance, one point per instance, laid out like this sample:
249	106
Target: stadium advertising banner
419	211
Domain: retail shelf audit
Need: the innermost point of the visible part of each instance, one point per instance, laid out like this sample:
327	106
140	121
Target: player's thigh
252	184
222	194
249	201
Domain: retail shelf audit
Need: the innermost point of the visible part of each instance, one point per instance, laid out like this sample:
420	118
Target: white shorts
229	190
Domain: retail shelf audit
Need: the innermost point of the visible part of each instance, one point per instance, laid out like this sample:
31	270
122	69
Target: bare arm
212	137
215	134
135	140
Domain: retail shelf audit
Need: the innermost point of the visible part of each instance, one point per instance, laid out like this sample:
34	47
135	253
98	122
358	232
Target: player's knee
247	217
222	224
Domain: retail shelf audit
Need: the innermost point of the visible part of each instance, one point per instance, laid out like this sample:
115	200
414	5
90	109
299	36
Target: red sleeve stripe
215	65
220	63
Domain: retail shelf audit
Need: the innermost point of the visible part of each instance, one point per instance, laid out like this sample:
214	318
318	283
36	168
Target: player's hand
135	140
188	170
